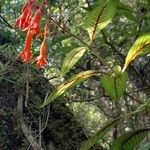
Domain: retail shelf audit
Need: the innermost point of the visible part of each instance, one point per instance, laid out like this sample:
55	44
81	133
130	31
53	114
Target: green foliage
98	135
2	69
7	53
125	10
144	107
71	59
130	140
68	84
145	146
114	85
60	39
99	17
9	50
141	46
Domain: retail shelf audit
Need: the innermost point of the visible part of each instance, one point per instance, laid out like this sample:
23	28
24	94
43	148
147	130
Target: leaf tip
123	70
42	106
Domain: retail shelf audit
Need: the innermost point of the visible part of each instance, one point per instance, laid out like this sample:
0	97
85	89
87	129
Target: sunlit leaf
130	140
68	84
71	58
99	17
141	46
98	135
114	86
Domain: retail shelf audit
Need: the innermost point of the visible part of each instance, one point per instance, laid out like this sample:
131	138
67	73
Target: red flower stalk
41	59
45	30
26	52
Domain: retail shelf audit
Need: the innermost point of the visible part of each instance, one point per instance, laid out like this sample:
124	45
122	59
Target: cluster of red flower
32	25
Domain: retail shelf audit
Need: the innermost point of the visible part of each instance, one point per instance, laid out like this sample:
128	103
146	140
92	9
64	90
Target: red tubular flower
35	22
36	19
26	52
26	55
41	59
32	25
24	19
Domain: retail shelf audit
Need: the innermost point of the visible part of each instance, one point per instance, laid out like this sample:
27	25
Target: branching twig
84	101
88	4
93	51
40	127
134	97
27	86
6	22
26	131
46	122
111	45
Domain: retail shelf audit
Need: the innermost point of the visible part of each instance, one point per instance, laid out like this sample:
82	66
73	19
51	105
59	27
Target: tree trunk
62	132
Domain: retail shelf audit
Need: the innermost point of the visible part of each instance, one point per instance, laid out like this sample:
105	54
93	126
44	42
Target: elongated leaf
114	85
141	46
99	17
71	58
98	135
130	140
68	84
125	10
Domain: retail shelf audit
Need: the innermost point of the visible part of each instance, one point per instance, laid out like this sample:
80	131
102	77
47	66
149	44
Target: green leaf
71	59
68	84
99	17
126	11
141	46
99	135
114	86
130	140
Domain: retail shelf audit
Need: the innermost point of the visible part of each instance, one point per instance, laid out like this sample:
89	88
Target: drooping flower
35	21
32	25
41	59
23	21
26	55
26	52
